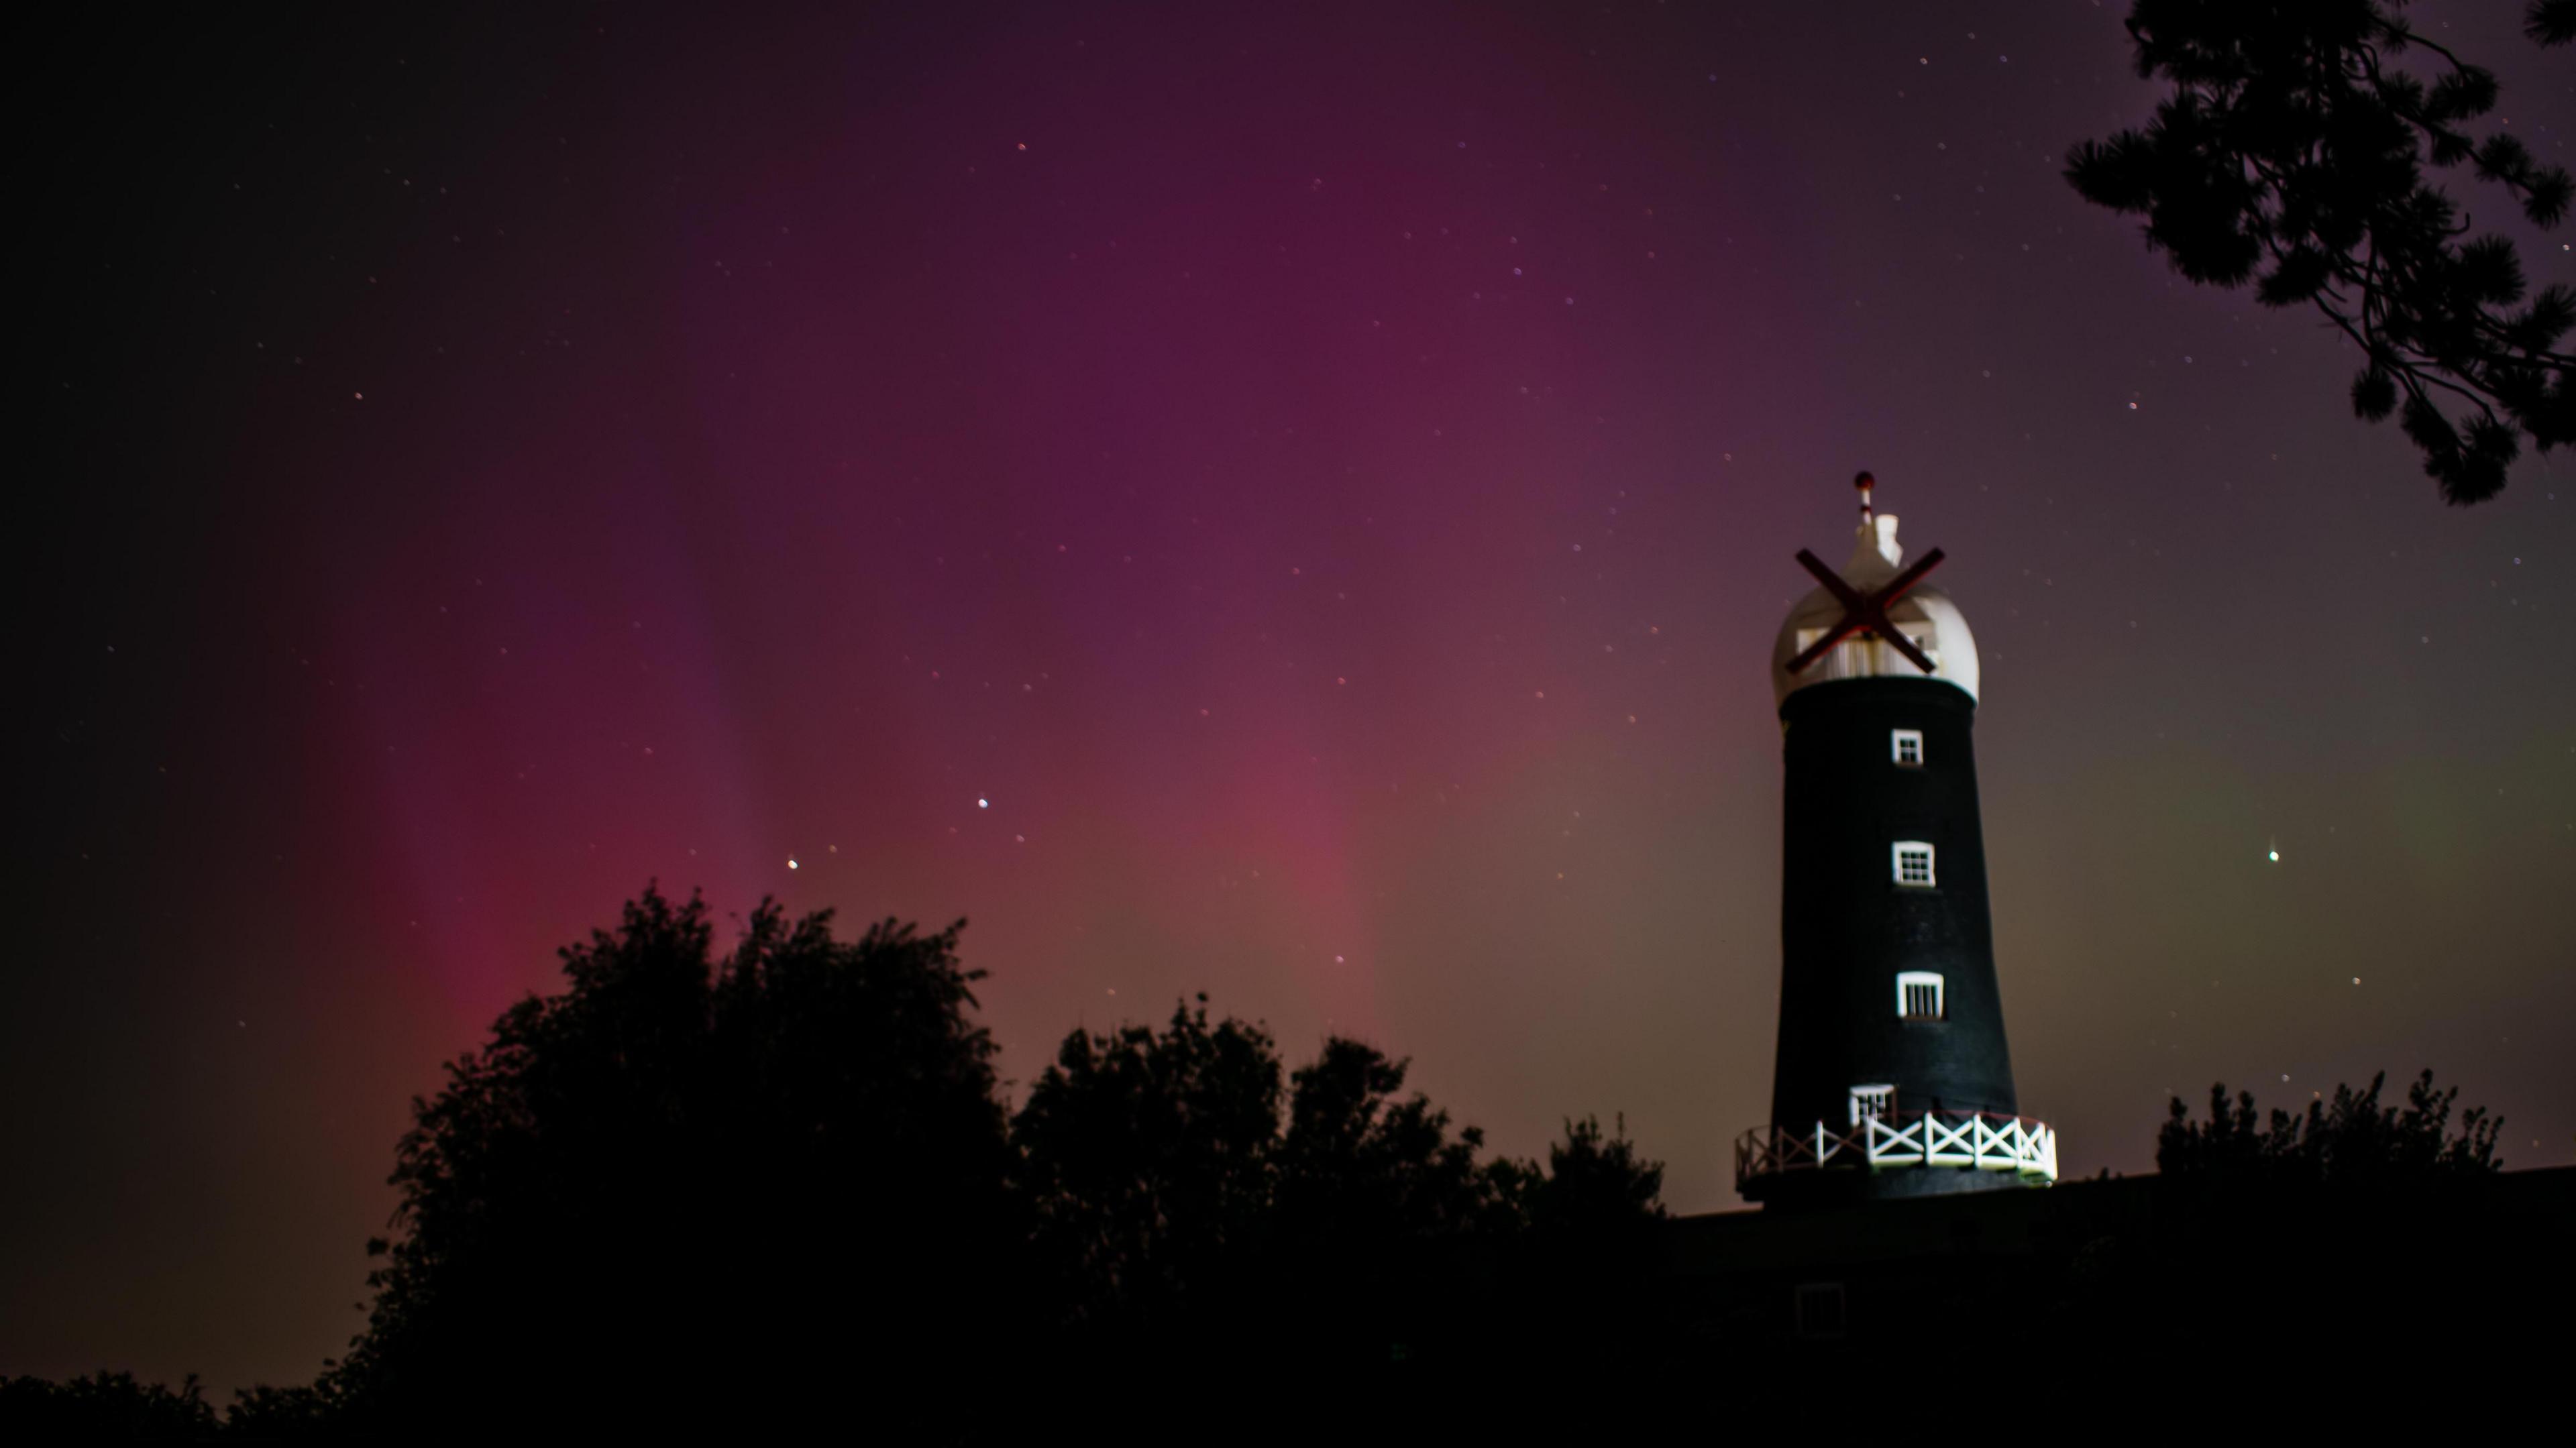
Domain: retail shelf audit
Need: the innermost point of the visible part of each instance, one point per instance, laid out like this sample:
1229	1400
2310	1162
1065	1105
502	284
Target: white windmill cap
1924	614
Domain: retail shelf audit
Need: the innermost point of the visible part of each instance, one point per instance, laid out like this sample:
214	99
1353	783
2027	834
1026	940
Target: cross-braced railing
1985	1140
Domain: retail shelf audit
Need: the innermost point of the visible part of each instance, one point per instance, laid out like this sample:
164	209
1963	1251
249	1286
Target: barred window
1870	1102
1919	996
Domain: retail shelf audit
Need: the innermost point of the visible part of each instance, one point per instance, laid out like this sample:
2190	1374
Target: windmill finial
1865	482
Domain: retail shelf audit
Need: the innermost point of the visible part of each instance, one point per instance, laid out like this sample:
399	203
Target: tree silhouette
1342	1234
104	1407
2291	153
2350	1140
2352	1221
1148	1160
1597	1186
1594	1219
1388	1224
679	1179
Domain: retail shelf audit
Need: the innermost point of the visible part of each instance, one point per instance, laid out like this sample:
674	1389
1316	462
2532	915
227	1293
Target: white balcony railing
1984	1140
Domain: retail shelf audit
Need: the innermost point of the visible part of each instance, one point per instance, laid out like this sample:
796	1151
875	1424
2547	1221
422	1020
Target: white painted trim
1879	1099
1983	1141
1898	739
1896	864
1910	980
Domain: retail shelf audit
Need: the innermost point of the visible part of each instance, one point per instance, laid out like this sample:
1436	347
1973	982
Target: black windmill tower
1893	1077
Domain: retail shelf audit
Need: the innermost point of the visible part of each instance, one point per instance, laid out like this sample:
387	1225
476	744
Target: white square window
1913	863
1919	996
1905	746
1871	1102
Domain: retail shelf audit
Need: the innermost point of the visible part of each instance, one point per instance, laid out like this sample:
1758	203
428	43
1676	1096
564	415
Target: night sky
1290	504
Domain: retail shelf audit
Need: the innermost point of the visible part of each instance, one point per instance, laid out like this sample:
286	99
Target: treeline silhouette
754	1194
2329	1236
782	1187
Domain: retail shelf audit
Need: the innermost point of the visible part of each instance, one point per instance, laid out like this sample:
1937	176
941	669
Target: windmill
1893	1076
